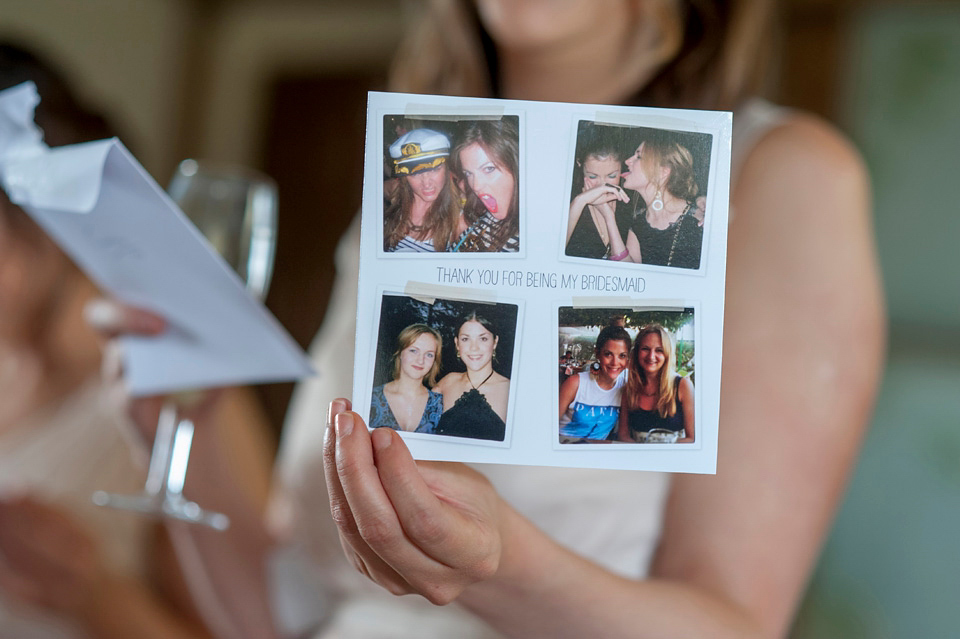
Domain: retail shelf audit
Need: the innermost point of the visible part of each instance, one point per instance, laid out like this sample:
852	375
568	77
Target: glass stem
162	449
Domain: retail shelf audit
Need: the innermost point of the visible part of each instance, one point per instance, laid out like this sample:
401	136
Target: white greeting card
543	283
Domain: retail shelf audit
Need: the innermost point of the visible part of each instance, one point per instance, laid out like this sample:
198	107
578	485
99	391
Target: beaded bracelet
620	256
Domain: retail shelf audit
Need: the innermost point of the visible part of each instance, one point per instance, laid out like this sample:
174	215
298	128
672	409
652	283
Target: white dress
611	517
62	455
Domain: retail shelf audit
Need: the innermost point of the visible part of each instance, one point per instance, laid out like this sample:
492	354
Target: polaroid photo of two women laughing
542	283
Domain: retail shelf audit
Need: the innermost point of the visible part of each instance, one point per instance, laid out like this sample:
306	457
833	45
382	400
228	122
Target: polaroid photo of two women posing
542	283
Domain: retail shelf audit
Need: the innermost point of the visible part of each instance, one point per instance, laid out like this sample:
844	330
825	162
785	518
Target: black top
585	239
643	421
472	416
677	245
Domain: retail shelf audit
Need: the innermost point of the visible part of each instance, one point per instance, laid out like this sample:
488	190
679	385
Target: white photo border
461	296
678	125
640	306
441	113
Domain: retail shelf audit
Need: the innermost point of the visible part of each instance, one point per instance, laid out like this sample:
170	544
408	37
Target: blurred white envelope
120	227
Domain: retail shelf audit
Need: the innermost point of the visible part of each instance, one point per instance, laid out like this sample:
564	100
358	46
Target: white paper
118	225
540	278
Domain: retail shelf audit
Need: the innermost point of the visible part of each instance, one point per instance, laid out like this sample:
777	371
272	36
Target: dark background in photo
628	138
398	311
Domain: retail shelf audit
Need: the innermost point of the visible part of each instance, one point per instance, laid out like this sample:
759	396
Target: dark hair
63	118
501	141
597	140
612	334
472	316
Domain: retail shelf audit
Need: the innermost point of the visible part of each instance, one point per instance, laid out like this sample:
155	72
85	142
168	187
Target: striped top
410	245
479	237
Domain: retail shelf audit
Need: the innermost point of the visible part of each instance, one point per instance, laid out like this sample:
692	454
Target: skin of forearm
124	608
224	570
542	589
617	247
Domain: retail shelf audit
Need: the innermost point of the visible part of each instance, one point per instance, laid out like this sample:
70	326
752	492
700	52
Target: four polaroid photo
542	283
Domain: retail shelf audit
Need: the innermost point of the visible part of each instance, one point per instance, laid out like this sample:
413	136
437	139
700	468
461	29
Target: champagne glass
236	210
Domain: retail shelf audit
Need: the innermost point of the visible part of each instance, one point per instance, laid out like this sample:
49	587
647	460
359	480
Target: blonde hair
707	54
657	153
666	404
408	336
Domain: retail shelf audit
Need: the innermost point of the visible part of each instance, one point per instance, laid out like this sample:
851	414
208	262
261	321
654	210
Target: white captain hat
419	150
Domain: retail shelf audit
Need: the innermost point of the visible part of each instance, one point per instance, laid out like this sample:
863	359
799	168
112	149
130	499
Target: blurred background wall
280	85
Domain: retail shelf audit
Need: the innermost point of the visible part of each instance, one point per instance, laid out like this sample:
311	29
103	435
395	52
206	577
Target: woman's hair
706	54
666	404
597	141
472	316
500	139
440	222
614	334
660	152
407	337
64	119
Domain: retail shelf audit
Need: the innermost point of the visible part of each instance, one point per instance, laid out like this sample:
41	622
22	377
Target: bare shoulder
685	387
571	384
445	383
802	353
500	380
807	161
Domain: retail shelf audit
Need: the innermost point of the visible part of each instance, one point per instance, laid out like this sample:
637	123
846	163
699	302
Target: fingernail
102	314
344	425
336	407
382	438
150	323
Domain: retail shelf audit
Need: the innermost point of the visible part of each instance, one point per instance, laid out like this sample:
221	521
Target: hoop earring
657	204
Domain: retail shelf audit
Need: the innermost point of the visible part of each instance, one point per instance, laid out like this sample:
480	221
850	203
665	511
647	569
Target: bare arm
52	562
224	573
686	397
791	423
603	197
633	248
221	574
576	210
568	390
623	428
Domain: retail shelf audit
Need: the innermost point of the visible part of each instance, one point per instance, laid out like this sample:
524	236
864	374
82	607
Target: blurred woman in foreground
712	556
700	556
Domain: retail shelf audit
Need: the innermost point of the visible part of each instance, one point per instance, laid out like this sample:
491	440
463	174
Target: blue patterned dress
381	415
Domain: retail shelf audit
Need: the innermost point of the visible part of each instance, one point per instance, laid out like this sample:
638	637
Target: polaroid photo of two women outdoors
542	283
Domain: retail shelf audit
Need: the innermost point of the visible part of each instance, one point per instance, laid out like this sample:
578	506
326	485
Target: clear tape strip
428	293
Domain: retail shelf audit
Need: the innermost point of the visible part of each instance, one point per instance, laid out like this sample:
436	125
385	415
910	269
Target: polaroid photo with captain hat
451	185
473	207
